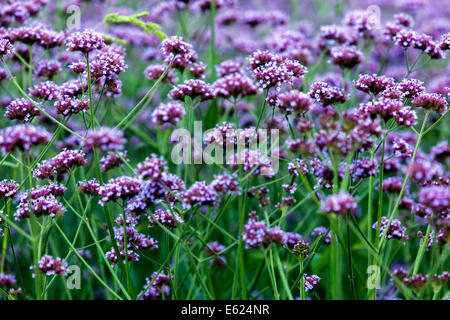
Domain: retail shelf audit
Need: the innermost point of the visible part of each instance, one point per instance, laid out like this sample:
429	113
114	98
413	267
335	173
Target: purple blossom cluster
49	266
157	285
341	204
56	167
22	137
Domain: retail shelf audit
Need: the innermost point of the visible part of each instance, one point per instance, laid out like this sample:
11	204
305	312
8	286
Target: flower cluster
85	42
50	266
340	203
157	285
22	137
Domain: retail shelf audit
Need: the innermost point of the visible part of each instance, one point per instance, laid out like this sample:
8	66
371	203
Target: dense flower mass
22	137
85	41
50	266
341	204
192	88
21	109
170	113
224	149
60	164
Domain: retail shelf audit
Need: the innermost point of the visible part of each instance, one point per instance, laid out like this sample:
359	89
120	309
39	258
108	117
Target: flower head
340	203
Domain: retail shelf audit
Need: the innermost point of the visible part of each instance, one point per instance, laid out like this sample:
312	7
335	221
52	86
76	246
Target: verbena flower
199	194
310	281
21	109
22	137
346	56
119	188
105	139
167	218
341	203
6	48
192	88
431	101
85	42
60	164
396	229
234	86
70	105
155	71
46	69
47	90
327	95
90	187
49	266
214	249
373	83
168	113
157	285
226	184
112	160
8	188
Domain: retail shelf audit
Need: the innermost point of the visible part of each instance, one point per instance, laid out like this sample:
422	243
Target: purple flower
22	137
252	160
445	42
214	249
192	88
199	194
373	83
441	151
151	168
157	285
108	63
155	71
60	164
431	101
85	41
175	46
392	184
51	266
346	56
168	113
47	69
21	109
294	101
310	282
340	203
322	231
255	232
7	280
105	139
8	189
235	86
396	230
119	188
42	201
5	48
410	88
435	197
197	70
78	67
90	187
47	90
228	67
167	218
112	160
363	168
226	184
69	105
326	95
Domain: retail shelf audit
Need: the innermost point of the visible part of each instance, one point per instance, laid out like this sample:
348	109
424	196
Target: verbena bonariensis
105	164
